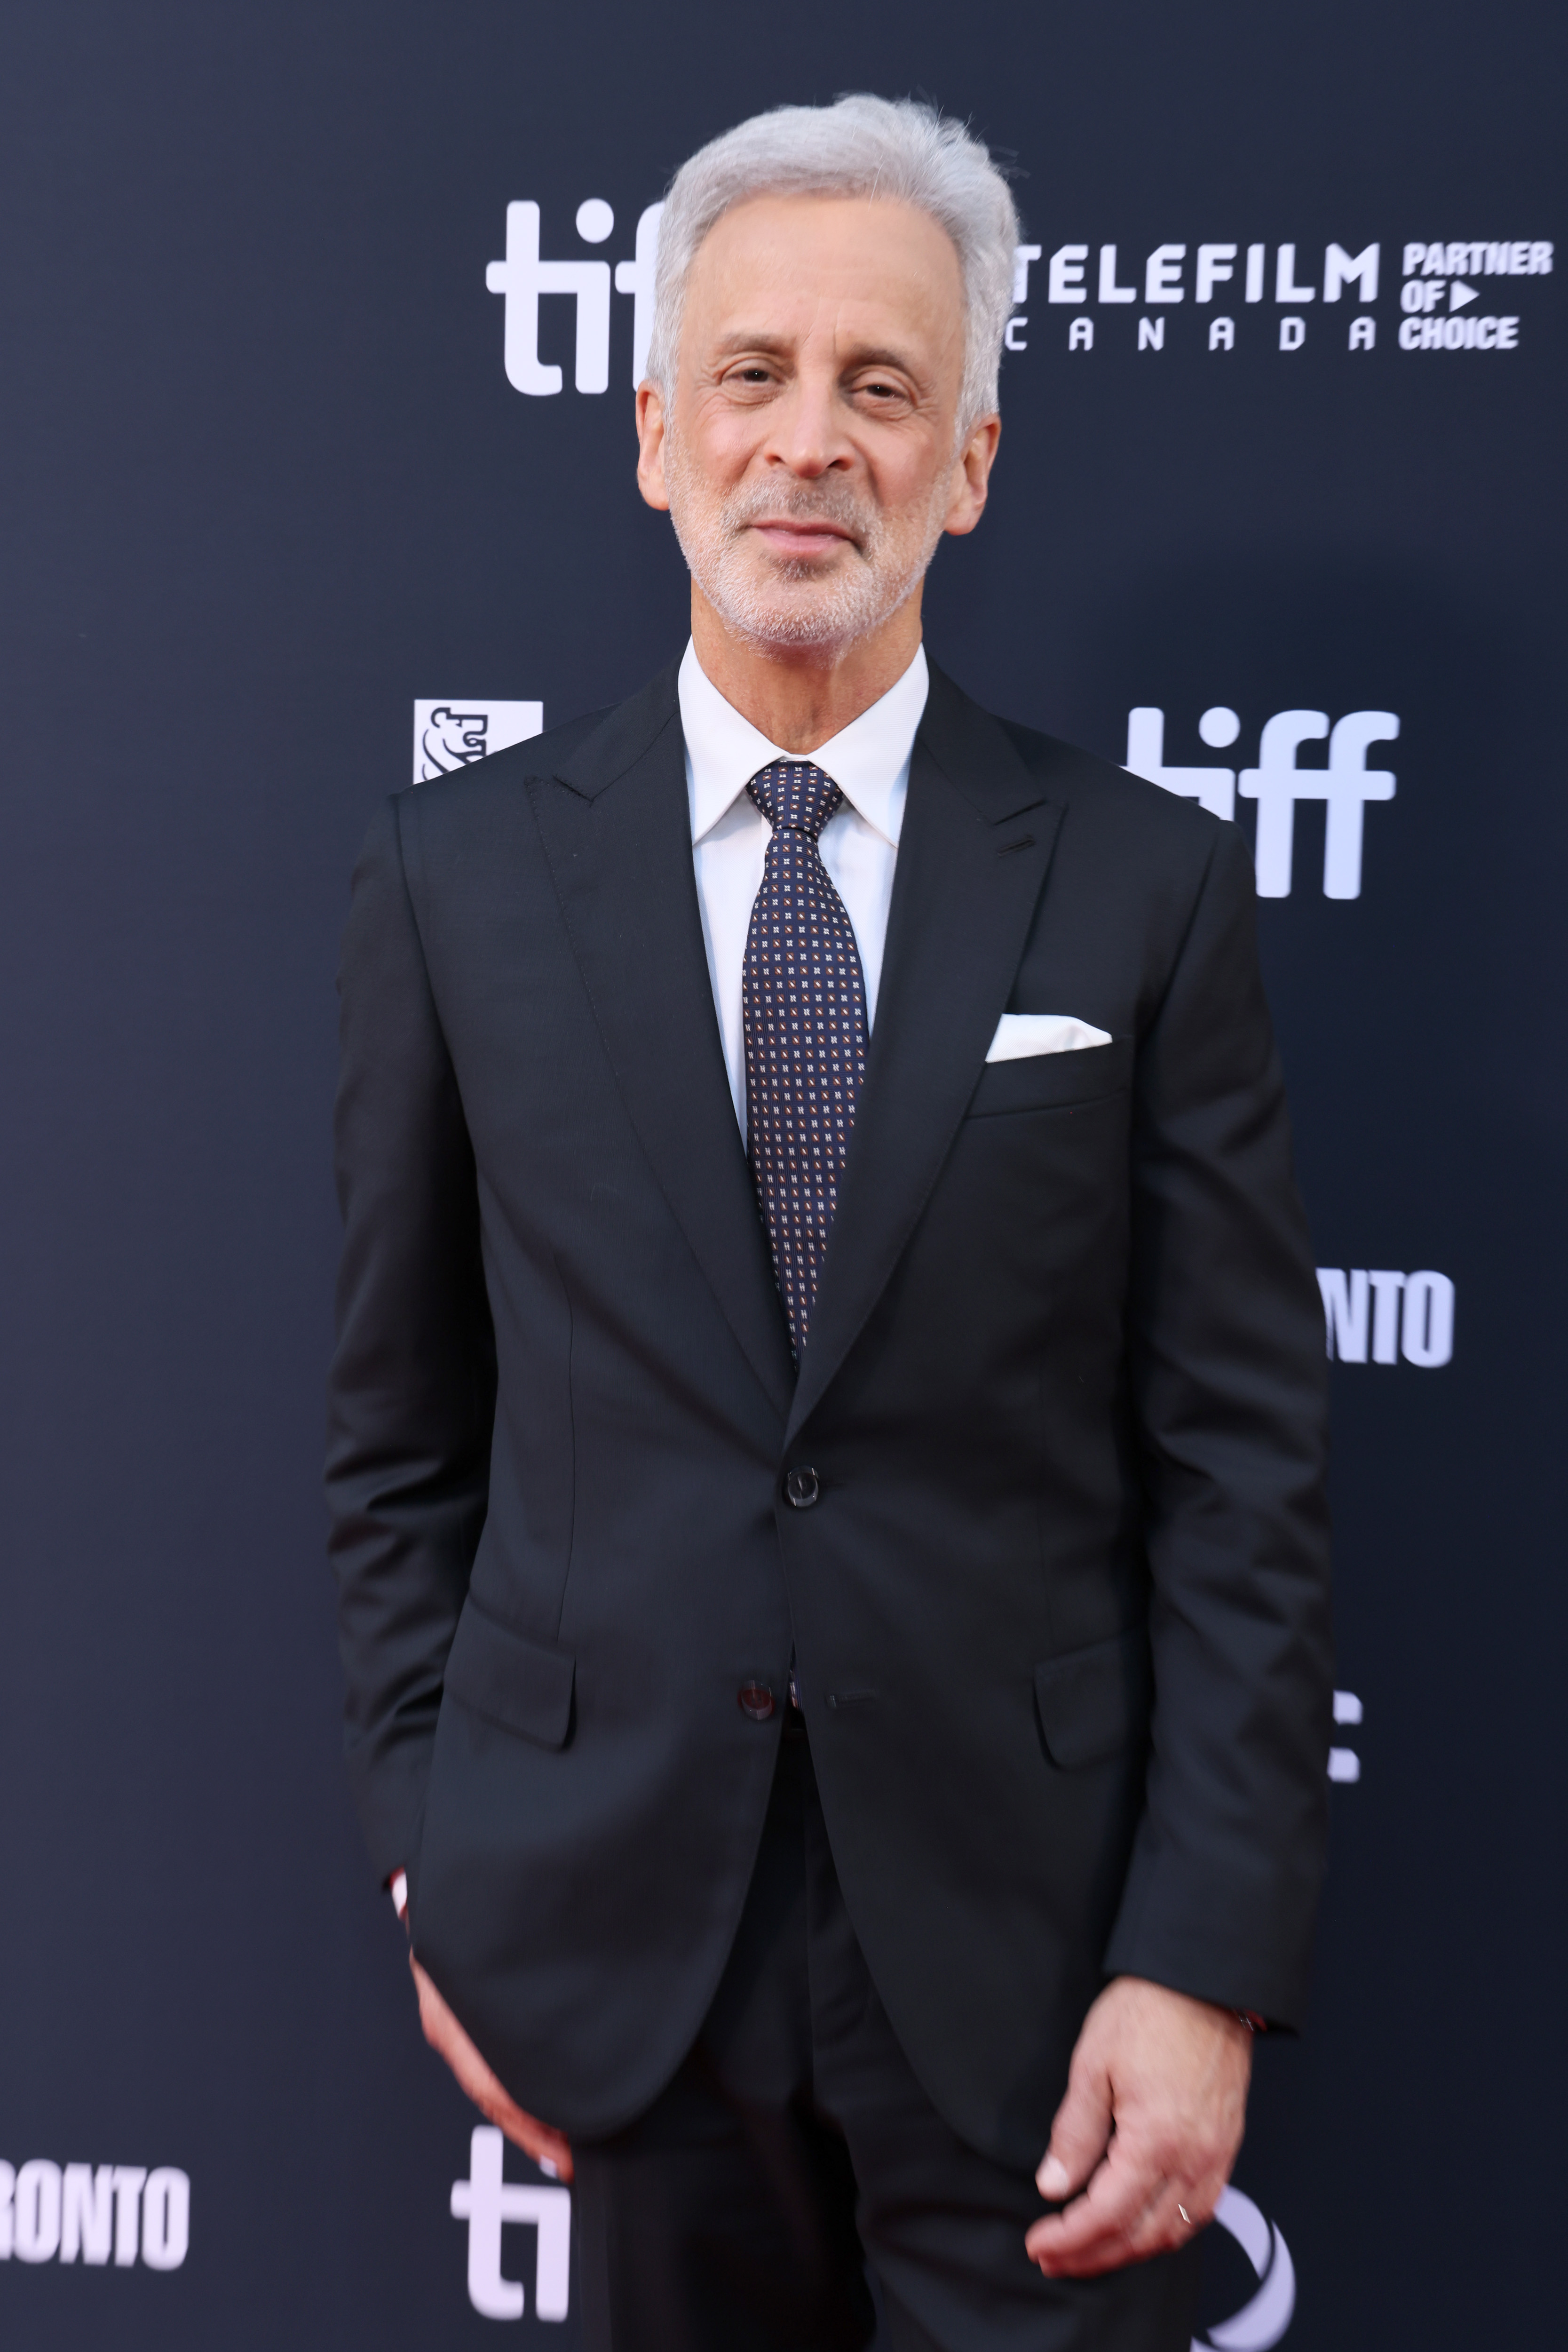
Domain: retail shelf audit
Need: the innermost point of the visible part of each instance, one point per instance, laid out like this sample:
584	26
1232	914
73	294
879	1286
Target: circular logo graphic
1261	2322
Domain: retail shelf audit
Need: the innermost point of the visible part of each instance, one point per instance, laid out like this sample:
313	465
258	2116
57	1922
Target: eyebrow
771	347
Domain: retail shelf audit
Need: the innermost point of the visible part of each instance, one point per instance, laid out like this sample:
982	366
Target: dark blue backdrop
264	483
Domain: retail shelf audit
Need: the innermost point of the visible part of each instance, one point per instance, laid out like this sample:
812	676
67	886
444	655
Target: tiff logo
523	277
89	2211
1409	1315
486	2200
1277	783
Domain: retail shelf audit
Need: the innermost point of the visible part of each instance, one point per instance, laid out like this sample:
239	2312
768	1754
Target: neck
799	697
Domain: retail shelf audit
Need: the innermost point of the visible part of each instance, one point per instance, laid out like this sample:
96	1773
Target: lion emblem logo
449	734
451	739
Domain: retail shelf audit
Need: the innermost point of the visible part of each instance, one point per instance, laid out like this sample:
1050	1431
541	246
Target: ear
971	476
650	446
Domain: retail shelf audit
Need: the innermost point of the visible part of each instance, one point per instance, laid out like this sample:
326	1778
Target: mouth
795	537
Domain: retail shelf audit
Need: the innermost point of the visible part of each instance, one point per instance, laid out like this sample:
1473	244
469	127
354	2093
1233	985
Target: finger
550	2150
1101	2229
479	2081
1107	2227
1173	2220
545	2146
1079	2135
1194	2185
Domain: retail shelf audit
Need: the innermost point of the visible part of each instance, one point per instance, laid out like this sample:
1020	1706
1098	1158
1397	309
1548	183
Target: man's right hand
489	2095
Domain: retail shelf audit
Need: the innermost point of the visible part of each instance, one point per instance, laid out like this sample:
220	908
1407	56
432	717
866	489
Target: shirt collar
868	760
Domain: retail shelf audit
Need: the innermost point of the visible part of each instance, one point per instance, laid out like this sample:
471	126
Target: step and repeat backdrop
317	476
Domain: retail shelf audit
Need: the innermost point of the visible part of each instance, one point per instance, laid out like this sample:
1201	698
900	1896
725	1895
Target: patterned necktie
803	1013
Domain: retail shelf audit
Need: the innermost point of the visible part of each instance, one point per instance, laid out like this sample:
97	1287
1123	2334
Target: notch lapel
616	827
977	837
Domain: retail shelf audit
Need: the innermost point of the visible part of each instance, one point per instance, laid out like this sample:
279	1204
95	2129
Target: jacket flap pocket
516	1683
1093	1703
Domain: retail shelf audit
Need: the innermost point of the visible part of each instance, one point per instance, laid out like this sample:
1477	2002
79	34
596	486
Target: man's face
808	455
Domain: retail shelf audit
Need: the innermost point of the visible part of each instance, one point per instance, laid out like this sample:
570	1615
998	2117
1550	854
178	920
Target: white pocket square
1019	1034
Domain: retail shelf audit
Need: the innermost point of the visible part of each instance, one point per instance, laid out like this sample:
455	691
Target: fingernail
1052	2179
551	2170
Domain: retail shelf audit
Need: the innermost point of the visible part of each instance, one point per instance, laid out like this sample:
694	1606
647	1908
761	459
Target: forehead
870	265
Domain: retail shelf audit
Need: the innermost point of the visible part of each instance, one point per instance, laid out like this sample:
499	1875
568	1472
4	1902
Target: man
827	1417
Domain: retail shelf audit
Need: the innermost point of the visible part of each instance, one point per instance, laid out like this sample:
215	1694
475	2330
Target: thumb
1079	2136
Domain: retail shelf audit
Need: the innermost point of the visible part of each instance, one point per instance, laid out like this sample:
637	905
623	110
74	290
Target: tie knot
795	797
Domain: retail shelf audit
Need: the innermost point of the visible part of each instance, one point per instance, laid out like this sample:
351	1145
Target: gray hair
861	146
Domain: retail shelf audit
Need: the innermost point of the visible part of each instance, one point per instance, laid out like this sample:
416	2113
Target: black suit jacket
1060	1610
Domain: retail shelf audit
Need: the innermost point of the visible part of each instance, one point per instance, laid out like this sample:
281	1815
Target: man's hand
1156	2101
489	2095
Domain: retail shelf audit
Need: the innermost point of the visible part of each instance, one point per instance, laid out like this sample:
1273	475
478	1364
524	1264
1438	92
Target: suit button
802	1487
757	1701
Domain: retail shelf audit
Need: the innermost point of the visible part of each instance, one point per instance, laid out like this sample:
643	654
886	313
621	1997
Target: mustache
825	501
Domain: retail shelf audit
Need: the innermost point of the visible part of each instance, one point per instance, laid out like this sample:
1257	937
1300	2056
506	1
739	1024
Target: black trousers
794	2151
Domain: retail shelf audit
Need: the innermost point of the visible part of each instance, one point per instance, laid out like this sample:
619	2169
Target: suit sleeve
412	1385
1229	1380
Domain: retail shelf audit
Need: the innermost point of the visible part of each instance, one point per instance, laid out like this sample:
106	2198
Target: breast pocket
1053	1081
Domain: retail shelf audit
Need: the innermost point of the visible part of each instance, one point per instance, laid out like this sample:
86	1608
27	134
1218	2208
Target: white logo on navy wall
1269	289
487	2201
95	2213
1263	2321
1346	782
1275	288
452	734
1345	1764
1436	280
524	276
1375	1315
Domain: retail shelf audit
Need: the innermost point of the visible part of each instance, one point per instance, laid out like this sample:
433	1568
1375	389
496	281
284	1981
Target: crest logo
448	735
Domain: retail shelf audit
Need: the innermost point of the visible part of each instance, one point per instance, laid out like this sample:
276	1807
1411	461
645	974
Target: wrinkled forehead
857	268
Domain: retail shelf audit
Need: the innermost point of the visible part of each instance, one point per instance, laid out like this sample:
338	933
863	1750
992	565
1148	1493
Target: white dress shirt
868	761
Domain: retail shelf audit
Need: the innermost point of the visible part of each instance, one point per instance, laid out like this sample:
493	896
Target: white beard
790	606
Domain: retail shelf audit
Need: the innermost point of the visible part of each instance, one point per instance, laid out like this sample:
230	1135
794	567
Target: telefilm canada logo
1454	295
1266	294
95	2213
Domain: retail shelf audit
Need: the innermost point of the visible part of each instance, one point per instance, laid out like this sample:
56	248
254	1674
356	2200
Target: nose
808	434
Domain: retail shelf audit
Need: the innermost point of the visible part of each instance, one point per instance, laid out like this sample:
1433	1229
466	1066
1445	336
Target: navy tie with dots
803	1013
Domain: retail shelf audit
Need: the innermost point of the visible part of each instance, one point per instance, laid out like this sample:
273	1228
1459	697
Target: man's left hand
1156	2105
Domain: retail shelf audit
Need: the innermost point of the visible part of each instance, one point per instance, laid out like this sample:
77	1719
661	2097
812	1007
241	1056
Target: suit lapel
978	836
617	832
